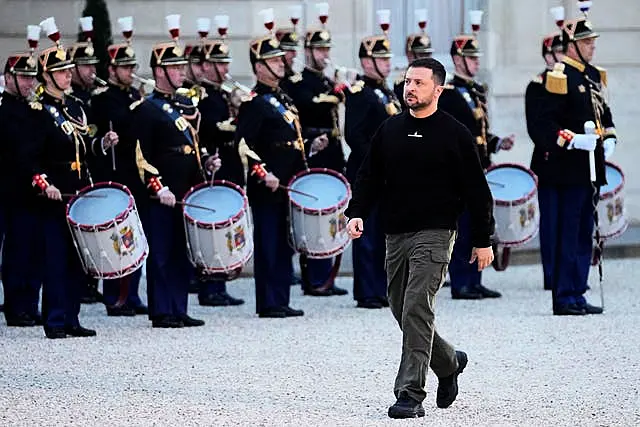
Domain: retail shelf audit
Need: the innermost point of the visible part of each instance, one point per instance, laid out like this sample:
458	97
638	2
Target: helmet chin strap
164	67
375	66
15	81
271	70
575	43
466	67
53	80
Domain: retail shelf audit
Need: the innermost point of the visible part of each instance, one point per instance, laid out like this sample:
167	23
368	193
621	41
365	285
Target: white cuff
163	190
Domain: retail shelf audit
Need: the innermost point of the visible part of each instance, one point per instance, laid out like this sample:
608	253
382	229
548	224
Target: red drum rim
329	210
233	266
610	194
521	242
120	273
522	199
616	233
220	224
105	225
326	254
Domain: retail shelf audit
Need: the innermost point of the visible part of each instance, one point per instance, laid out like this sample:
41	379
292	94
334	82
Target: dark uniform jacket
61	144
466	100
266	124
16	122
217	131
398	89
111	107
556	106
369	102
166	147
317	101
82	96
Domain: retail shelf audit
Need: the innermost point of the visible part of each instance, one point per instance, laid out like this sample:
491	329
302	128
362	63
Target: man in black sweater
423	169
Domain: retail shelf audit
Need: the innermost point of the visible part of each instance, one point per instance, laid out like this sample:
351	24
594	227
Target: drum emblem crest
527	215
235	240
614	210
123	240
333	227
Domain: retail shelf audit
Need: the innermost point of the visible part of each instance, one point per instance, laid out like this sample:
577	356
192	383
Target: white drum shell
612	218
220	248
320	233
518	220
115	251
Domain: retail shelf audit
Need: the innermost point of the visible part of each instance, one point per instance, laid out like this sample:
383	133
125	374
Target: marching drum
107	231
318	227
611	211
515	198
219	241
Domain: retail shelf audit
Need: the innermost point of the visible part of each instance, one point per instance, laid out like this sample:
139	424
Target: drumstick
297	191
70	195
113	150
189	205
213	172
496	183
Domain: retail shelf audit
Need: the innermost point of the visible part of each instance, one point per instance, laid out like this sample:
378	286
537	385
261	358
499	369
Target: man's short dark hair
439	73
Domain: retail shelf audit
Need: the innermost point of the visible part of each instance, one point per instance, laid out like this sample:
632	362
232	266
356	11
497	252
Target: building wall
511	36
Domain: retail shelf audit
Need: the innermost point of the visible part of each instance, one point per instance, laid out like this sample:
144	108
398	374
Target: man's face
197	71
289	56
85	74
24	84
383	67
176	74
320	56
420	89
587	48
472	67
275	64
62	78
124	74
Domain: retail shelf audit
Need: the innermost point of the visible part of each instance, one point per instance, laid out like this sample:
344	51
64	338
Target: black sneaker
292	312
406	407
79	331
448	386
231	300
591	309
338	291
466	293
369	303
569	310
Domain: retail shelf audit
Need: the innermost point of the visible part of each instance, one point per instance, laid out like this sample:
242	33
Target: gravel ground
336	365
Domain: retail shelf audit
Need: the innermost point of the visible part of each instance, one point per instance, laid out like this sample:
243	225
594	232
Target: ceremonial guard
210	61
569	160
57	161
418	45
466	100
83	78
111	106
317	99
289	40
269	140
552	53
83	55
170	160
369	102
21	258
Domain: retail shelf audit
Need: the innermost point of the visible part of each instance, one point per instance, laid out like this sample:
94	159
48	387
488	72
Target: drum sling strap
329	283
599	247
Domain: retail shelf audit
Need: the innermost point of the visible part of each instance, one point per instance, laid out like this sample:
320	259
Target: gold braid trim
143	165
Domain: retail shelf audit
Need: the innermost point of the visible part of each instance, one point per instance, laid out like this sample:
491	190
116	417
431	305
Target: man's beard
419	105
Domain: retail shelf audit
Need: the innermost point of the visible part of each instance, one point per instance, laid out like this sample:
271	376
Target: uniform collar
457	78
373	82
52	100
573	63
13	97
263	88
158	93
313	72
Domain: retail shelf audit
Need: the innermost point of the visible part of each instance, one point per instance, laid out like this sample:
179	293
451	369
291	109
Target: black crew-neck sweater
423	173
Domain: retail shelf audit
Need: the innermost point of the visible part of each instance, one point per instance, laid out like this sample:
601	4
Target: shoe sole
401	415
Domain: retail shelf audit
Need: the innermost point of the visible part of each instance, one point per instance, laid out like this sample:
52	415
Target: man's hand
484	257
319	143
110	139
53	193
507	142
271	181
355	227
213	163
167	198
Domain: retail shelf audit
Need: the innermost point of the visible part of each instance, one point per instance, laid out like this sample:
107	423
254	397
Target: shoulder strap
180	122
286	114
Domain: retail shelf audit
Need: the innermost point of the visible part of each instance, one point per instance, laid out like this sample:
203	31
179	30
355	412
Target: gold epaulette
356	87
557	80
603	75
35	105
399	80
448	86
226	126
99	90
295	78
135	104
247	97
537	79
323	97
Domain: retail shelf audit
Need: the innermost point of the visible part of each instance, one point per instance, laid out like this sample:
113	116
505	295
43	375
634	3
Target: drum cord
599	248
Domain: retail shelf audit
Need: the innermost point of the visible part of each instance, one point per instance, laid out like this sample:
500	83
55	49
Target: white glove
584	142
609	147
